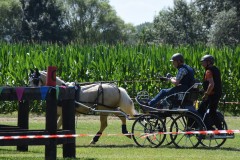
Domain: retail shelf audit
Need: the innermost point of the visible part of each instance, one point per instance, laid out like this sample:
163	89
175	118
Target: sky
139	11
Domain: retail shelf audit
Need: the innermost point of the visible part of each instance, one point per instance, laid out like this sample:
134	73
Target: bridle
35	79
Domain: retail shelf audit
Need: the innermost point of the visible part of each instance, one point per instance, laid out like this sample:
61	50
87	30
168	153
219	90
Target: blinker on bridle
35	79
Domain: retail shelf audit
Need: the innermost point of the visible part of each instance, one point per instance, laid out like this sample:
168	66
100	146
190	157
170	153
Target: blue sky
139	11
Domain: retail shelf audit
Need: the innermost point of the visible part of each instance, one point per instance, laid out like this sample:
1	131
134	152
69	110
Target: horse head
35	79
39	78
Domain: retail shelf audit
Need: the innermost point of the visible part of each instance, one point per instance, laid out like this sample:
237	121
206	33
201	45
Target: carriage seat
182	99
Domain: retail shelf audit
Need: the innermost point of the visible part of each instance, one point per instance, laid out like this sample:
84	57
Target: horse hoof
92	142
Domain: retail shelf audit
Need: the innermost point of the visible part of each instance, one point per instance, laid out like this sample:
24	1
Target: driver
182	82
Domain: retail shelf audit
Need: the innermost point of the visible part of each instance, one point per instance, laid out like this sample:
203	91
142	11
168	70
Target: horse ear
31	71
37	72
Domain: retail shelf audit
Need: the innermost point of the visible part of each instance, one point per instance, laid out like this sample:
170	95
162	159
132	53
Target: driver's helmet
208	58
177	57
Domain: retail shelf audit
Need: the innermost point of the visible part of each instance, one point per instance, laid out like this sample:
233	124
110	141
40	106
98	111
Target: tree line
211	22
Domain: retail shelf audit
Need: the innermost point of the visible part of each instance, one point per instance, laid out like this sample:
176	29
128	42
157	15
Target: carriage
173	121
176	121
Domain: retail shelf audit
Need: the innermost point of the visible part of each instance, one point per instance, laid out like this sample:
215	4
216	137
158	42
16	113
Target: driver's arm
181	73
211	84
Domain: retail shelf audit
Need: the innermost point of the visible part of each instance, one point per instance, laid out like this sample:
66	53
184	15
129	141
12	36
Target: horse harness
100	93
36	79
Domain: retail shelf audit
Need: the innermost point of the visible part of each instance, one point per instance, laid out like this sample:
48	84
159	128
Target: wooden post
68	110
51	124
23	120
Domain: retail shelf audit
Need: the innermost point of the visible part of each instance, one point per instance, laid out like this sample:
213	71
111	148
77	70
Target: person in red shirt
212	86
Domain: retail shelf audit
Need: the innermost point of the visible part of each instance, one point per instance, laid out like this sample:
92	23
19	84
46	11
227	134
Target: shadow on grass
106	146
205	148
220	148
12	151
165	146
40	158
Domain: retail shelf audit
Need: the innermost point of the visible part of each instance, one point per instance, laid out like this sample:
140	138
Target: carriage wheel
147	130
168	121
210	140
183	123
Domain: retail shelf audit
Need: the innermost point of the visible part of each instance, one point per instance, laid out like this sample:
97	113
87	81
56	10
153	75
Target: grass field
118	146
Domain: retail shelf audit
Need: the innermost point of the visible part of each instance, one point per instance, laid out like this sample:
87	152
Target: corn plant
135	67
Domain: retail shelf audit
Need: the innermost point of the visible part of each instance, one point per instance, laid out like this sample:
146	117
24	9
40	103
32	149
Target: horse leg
59	122
103	121
124	126
59	117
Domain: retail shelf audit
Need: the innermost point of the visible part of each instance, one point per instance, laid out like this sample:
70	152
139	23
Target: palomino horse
110	98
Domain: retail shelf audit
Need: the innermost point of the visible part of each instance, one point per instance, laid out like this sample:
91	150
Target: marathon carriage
176	121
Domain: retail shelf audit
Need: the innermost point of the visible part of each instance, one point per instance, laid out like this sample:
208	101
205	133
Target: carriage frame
176	121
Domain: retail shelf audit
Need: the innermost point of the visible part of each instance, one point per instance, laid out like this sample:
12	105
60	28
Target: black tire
147	131
183	123
212	142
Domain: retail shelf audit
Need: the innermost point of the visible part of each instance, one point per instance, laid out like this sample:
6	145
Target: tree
10	19
220	20
164	27
43	21
225	29
95	21
145	33
178	25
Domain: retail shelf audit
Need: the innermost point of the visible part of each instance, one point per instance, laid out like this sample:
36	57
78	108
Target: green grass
120	147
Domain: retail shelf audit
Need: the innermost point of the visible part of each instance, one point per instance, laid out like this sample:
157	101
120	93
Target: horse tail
126	104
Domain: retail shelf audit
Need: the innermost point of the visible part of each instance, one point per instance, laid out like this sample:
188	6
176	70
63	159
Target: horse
110	97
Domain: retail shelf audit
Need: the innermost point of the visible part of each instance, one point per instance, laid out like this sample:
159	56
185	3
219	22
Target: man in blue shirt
182	82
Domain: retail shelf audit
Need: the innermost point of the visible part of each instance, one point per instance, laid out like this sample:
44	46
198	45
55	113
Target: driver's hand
205	96
163	78
168	75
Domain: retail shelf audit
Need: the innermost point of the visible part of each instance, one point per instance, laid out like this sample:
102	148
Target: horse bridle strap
36	78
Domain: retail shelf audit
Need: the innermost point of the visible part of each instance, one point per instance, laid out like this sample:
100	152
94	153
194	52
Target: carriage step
217	136
223	136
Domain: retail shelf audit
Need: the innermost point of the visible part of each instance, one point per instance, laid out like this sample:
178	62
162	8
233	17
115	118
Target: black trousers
212	118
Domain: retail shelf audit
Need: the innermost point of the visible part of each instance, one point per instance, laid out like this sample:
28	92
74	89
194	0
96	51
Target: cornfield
134	68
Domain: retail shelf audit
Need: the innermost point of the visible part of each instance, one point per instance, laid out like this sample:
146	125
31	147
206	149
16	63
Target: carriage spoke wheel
210	140
147	131
168	121
183	123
